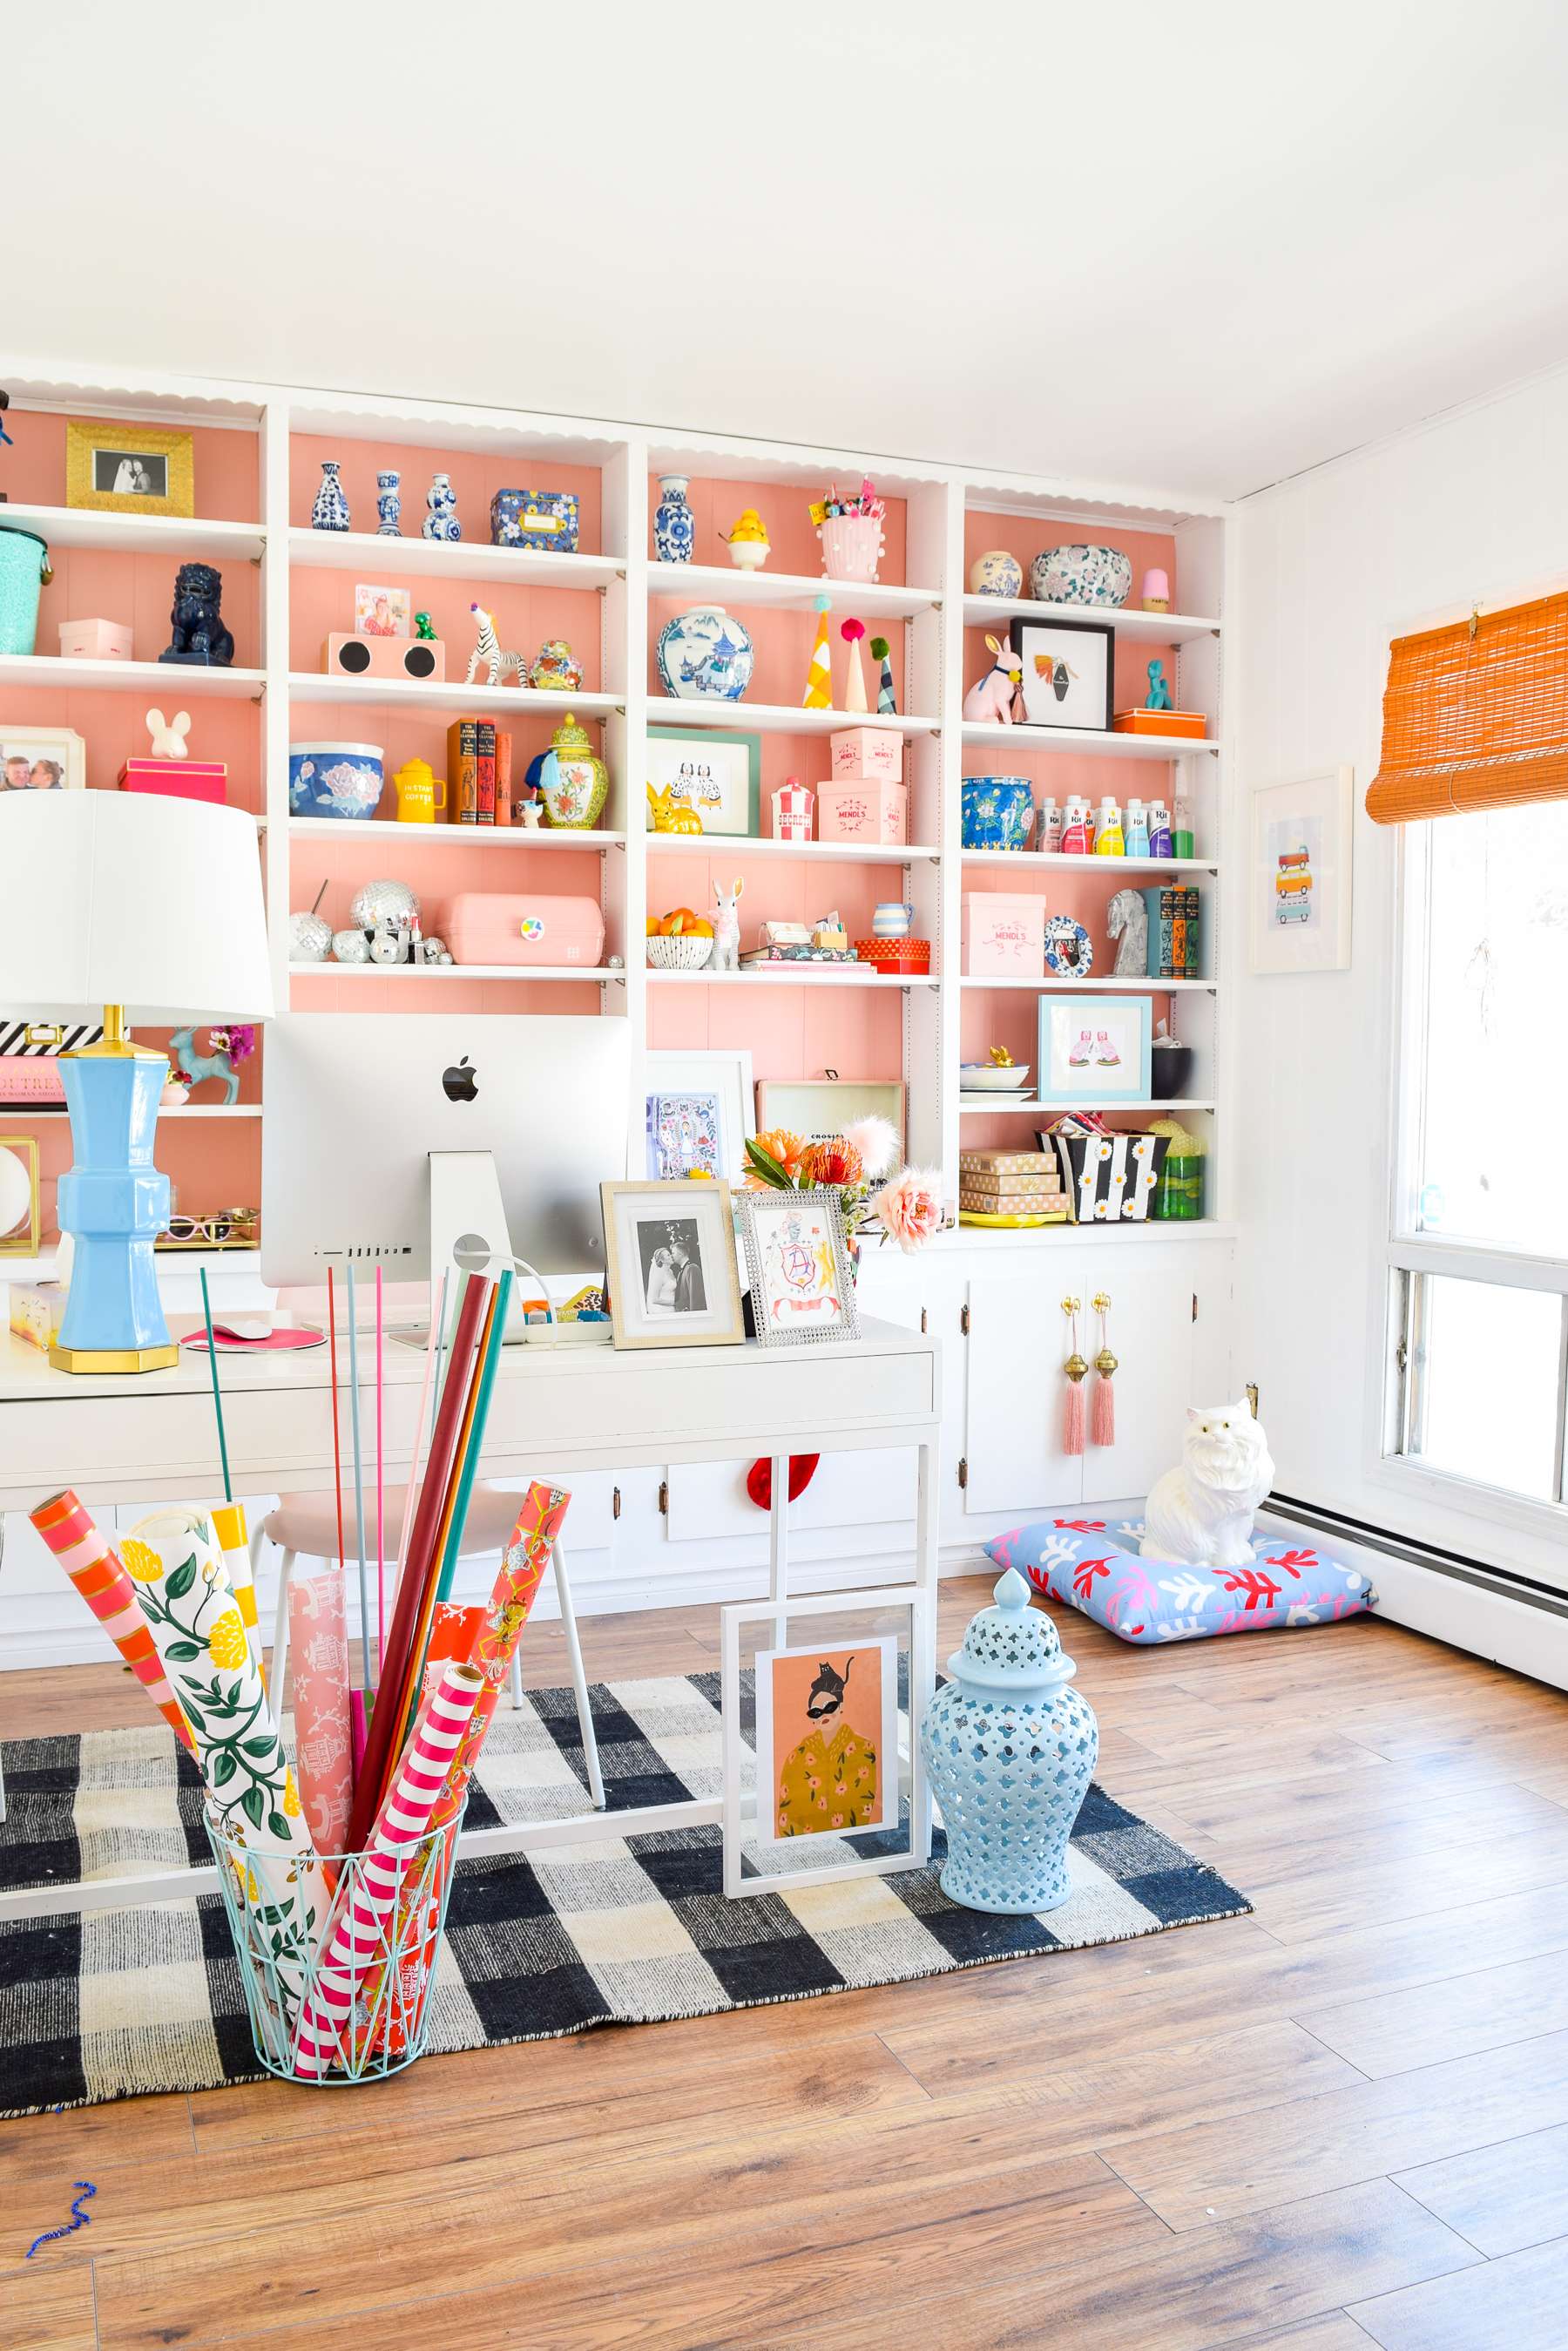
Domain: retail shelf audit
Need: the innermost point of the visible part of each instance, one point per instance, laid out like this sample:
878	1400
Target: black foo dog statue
200	636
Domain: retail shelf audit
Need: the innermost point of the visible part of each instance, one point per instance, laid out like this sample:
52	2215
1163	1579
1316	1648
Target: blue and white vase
1080	575
389	504
704	655
674	526
1010	1751
996	573
441	521
330	511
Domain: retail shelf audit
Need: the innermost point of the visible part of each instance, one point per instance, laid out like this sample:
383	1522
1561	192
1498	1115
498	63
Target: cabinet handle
964	1321
664	1497
615	1503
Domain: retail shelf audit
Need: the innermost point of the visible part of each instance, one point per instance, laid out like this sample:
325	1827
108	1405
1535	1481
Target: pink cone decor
95	1567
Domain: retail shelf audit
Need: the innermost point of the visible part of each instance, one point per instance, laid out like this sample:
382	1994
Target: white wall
1473	506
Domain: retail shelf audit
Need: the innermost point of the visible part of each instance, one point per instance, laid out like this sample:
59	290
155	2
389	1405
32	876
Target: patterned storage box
1109	1178
537	518
867	755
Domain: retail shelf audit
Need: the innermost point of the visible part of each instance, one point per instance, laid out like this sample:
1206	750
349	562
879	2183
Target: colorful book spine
1194	936
503	776
484	774
1175	967
462	771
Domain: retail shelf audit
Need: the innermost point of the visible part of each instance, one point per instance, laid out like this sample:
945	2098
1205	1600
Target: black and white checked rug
119	2003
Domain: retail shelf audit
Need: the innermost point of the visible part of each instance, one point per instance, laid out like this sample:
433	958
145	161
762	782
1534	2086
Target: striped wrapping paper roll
318	1645
368	1898
99	1573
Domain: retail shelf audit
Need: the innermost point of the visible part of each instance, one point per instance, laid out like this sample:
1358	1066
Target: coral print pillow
1147	1600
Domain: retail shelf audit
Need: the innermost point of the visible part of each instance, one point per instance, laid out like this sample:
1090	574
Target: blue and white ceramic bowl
334	779
996	573
1080	575
704	655
998	812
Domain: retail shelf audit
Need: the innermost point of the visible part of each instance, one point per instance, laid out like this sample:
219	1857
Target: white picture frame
663	1242
60	747
727	1075
1300	872
903	1774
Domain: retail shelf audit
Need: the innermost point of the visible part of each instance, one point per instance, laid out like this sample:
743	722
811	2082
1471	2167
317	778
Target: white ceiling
1194	246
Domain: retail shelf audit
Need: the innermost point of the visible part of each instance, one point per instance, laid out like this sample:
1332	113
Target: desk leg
778	1547
923	1663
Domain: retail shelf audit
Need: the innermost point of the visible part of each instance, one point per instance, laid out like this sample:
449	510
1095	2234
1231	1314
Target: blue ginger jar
330	511
674	525
441	521
1010	1751
389	504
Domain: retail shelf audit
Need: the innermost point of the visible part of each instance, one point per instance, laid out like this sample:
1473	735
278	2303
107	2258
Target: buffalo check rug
118	2004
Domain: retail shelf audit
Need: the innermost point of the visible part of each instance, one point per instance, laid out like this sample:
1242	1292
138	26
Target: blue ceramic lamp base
114	1203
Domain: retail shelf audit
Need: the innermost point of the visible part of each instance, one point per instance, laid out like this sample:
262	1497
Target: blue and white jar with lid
1011	1751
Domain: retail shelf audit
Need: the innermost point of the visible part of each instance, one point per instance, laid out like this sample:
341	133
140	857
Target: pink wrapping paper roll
318	1645
356	1940
99	1573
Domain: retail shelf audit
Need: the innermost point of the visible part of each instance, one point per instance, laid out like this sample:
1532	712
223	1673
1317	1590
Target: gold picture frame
25	1242
100	452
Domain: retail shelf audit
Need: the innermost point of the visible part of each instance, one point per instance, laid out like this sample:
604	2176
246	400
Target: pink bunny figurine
991	698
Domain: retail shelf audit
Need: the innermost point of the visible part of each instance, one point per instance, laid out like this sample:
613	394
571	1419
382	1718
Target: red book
503	776
485	774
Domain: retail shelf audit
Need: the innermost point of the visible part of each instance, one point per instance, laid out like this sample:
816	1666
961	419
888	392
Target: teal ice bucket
24	567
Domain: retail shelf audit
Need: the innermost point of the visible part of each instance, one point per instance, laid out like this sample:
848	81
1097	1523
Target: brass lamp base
114	1359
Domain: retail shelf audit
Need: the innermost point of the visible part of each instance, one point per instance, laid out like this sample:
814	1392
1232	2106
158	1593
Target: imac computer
380	1132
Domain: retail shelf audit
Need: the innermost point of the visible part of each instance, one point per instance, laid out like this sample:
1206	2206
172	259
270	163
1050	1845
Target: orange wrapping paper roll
95	1567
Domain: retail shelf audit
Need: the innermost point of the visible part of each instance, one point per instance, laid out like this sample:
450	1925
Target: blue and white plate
704	655
1069	950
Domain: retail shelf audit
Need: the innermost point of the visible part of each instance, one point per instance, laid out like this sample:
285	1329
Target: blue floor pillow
1080	1561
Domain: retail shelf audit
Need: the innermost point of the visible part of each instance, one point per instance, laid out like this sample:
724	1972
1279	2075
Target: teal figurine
1159	691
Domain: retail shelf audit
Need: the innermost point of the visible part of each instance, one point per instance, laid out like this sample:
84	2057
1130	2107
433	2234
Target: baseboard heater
1454	1563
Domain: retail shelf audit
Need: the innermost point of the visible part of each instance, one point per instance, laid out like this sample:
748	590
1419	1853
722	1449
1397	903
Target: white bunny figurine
168	742
725	952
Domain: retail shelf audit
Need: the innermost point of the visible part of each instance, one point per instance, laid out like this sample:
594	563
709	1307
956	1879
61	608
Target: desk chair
308	1523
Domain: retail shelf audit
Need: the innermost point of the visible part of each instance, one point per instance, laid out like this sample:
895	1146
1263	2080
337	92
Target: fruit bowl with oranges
680	941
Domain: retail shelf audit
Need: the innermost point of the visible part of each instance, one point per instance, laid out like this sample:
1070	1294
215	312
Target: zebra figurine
487	649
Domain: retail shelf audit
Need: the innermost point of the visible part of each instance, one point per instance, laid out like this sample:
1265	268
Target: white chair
308	1523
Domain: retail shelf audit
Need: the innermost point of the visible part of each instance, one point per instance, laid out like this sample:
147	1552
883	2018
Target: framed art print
697	1114
1300	872
1069	671
42	759
716	774
802	1289
1094	1050
827	1739
669	1262
118	468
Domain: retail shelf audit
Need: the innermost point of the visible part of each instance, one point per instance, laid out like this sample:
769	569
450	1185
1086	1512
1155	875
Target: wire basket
392	1967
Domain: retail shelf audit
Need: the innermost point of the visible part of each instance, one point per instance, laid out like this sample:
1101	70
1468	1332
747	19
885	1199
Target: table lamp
151	908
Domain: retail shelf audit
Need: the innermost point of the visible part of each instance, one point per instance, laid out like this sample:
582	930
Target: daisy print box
1003	937
1093	1049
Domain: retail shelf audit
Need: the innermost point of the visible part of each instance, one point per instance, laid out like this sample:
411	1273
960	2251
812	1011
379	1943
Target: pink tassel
1104	1411
1073	1436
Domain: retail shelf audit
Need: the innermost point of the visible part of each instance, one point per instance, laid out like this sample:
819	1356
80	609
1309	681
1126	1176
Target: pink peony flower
911	1207
877	1142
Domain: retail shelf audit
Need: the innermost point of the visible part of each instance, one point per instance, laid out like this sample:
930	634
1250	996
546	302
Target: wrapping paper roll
96	1568
185	1596
335	2014
229	1527
454	1629
318	1645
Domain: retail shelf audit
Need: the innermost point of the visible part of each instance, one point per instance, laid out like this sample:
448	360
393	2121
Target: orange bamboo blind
1476	721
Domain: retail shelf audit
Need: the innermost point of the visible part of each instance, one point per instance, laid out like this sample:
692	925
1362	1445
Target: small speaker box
423	659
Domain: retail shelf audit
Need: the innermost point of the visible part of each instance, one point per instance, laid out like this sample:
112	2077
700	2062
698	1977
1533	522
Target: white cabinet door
1012	1429
1151	1337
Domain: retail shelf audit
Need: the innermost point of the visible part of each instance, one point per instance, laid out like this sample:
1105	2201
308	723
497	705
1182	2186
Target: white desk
556	1411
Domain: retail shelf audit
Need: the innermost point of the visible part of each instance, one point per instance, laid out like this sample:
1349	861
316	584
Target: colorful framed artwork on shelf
670	1261
130	469
380	612
1094	1050
802	1289
698	1110
1069	671
718	776
42	759
1302	833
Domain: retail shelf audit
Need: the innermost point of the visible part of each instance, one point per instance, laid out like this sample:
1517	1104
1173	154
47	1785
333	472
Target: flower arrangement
906	1207
238	1040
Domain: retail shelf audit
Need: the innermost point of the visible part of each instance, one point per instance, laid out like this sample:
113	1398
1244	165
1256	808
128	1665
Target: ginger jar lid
569	737
1012	1646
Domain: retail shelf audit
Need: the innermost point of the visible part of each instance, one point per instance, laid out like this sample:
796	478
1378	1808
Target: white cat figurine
1201	1513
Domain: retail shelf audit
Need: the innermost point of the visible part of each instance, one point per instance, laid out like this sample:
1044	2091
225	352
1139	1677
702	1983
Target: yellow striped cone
819	677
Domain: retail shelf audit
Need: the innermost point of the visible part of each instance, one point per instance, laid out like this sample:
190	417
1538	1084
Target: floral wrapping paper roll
318	1645
185	1594
96	1568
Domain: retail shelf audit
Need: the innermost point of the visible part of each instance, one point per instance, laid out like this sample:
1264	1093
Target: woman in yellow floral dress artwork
829	1781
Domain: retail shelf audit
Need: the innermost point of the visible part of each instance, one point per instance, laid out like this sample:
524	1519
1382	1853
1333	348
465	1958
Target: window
1478	1385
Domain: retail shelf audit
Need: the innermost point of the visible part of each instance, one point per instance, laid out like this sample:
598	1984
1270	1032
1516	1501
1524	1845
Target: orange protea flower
226	1640
834	1162
140	1562
786	1148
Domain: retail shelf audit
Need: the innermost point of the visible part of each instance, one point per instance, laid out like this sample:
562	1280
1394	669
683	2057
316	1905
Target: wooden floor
1342	2119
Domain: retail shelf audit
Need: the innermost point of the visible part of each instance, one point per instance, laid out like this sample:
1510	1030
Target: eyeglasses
227	1228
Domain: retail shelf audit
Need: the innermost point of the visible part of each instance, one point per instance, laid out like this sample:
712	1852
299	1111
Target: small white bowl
678	953
985	1078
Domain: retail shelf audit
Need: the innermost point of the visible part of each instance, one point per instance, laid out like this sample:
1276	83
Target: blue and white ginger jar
704	655
330	511
998	812
1080	575
441	521
674	525
996	573
1010	1751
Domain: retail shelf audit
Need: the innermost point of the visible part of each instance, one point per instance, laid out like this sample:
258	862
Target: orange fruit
653	926
698	929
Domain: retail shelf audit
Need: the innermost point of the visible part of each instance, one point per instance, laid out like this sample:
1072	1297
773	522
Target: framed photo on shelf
1302	833
715	774
669	1262
802	1289
1093	1049
42	759
697	1114
116	468
379	612
1069	671
830	1798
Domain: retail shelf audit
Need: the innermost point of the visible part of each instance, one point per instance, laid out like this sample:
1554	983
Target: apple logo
460	1083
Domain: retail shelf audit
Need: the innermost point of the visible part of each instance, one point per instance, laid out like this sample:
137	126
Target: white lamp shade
126	898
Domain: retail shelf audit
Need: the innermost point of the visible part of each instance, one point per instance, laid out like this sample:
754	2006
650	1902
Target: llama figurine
991	698
725	954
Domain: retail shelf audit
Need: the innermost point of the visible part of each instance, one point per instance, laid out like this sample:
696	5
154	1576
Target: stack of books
1010	1188
479	773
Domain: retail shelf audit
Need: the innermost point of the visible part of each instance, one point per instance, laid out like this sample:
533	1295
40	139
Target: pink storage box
97	640
513	926
872	812
177	780
27	1077
867	755
1003	937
